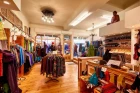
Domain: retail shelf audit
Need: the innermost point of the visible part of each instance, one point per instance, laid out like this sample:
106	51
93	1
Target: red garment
109	88
136	56
107	76
1	65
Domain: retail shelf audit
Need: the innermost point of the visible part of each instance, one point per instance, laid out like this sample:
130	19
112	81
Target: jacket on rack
10	71
54	65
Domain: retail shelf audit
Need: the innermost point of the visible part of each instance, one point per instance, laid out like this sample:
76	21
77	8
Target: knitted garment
136	83
93	79
107	77
91	51
136	53
109	88
112	78
121	81
2	32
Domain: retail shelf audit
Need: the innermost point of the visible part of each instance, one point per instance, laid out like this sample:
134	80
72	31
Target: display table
75	60
129	77
82	63
67	58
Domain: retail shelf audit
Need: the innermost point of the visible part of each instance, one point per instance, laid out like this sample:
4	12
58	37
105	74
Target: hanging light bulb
52	20
48	21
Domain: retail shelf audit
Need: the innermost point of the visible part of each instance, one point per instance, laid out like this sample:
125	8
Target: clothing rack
20	78
53	65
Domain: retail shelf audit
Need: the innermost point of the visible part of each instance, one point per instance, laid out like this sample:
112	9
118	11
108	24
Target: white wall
122	13
24	20
18	3
132	18
22	17
116	28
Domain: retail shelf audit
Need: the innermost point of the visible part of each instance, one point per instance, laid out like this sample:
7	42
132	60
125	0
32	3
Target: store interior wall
18	3
24	20
122	13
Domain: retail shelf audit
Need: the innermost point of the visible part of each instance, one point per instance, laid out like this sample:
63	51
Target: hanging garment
53	65
59	48
112	78
38	50
107	77
27	64
80	48
3	44
44	64
107	55
2	32
136	83
91	51
93	79
21	53
101	51
136	53
120	81
101	73
14	51
75	48
1	65
10	71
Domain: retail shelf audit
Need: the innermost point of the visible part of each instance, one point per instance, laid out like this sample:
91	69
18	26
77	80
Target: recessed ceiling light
80	18
6	2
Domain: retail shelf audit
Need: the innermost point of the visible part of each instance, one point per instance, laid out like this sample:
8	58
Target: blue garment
93	79
38	59
83	50
21	54
30	58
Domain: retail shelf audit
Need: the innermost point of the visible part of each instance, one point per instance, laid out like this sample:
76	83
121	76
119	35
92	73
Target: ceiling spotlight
6	2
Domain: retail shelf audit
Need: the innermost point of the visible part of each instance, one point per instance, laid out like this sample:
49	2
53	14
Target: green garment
6	88
90	51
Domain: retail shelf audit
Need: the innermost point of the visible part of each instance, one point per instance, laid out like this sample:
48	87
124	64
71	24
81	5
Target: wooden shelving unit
123	45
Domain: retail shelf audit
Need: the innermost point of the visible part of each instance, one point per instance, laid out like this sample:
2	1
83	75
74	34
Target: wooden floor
35	83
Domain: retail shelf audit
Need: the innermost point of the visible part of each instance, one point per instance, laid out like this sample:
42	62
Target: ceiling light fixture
80	18
106	17
6	2
48	16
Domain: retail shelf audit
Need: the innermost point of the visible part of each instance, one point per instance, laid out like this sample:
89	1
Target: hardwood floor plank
35	83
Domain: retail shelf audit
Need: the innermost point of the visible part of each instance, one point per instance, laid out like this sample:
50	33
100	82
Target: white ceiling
94	18
67	10
63	10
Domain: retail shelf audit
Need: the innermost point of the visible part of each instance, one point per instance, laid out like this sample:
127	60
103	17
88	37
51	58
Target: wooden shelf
116	41
118	47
